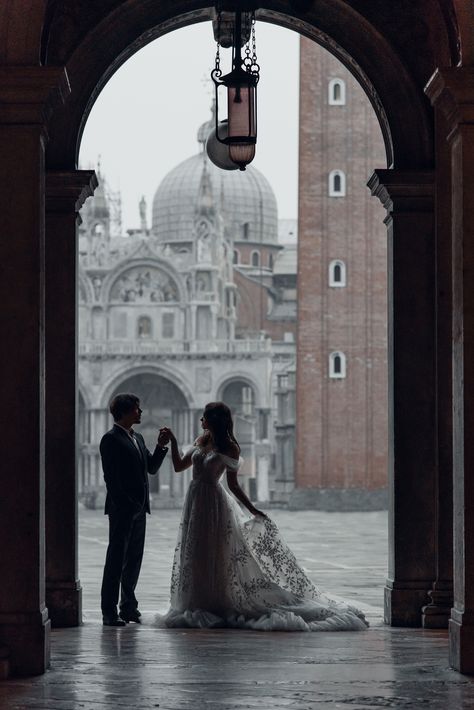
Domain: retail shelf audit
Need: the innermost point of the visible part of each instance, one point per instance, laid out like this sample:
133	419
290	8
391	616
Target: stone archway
90	46
163	404
410	157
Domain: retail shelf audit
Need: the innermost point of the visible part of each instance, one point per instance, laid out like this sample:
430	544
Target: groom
126	463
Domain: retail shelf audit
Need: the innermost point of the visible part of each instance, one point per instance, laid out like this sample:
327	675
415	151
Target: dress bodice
208	466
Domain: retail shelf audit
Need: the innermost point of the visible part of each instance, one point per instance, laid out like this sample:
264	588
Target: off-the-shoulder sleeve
233	464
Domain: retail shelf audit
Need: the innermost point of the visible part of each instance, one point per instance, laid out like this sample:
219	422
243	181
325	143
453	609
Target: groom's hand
163	437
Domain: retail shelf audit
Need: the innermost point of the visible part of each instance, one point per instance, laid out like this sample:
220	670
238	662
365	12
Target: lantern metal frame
243	77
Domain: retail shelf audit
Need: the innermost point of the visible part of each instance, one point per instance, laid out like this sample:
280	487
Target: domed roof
244	198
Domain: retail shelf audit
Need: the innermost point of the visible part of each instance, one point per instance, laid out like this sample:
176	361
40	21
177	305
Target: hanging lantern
241	85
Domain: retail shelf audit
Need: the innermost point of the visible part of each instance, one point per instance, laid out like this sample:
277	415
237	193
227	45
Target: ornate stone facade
171	314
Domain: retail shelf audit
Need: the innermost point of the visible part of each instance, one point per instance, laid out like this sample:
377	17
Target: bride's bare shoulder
201	440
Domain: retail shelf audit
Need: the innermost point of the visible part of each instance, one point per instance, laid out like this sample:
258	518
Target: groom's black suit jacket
125	471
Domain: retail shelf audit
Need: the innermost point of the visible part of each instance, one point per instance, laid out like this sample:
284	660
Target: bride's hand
166	432
258	513
171	436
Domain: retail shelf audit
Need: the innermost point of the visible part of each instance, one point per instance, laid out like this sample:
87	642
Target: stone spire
205	201
142	210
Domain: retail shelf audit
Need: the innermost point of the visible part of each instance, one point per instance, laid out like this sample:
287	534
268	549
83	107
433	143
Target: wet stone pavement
145	667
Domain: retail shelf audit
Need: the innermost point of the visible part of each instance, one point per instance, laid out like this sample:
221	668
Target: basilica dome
244	199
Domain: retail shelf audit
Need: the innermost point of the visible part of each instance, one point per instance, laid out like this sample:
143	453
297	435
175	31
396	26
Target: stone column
452	92
436	614
27	97
65	194
408	199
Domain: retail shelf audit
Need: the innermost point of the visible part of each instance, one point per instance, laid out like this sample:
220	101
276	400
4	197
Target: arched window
337	92
255	258
236	257
337	183
337	365
245	230
240	397
270	261
144	327
337	273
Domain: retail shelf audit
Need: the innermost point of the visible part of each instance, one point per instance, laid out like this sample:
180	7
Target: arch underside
395	91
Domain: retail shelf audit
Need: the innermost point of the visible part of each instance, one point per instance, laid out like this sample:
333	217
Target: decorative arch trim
394	93
240	377
148	263
167	372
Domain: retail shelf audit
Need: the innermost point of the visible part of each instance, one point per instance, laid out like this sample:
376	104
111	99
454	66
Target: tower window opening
337	274
337	183
236	257
255	258
337	92
245	230
337	365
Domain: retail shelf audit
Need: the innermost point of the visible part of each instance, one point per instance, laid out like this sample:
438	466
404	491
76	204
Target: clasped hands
165	435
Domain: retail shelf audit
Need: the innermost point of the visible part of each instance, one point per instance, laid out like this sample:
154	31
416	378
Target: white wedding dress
232	571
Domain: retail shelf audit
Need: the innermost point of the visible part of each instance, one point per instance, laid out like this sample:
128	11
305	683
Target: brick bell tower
341	391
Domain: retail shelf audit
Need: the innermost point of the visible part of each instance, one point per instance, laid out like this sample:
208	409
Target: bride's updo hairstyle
219	418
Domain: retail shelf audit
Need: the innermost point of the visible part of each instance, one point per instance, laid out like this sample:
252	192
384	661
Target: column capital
410	191
29	94
452	91
67	190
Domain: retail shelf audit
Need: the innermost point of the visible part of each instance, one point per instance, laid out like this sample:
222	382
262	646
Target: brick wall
341	423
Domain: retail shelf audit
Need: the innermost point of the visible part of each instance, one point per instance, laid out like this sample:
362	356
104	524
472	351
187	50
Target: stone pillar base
338	499
403	604
25	640
64	602
461	644
436	614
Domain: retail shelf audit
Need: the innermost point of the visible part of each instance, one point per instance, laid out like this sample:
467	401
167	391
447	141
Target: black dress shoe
112	621
128	616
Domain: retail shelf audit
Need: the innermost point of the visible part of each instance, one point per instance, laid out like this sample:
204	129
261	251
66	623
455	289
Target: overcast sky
145	120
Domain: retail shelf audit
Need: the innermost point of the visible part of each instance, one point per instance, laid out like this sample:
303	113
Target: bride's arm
233	484
180	463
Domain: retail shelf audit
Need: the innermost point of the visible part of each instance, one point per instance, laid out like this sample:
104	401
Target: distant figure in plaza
232	570
126	463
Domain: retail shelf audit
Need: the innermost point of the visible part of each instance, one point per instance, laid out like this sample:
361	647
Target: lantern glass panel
241	112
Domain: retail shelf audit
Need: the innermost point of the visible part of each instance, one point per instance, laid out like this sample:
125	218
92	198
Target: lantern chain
250	61
217	72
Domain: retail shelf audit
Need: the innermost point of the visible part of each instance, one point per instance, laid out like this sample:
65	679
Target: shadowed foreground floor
144	667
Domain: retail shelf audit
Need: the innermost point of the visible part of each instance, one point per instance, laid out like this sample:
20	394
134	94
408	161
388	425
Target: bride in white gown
232	570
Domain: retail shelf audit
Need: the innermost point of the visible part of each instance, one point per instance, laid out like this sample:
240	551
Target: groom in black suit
126	463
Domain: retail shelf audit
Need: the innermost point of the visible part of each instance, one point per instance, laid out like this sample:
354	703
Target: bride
230	570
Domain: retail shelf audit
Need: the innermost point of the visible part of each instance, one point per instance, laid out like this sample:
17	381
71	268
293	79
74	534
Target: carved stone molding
452	91
28	95
411	191
68	190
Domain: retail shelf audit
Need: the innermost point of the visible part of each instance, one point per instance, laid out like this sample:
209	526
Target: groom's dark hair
123	404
